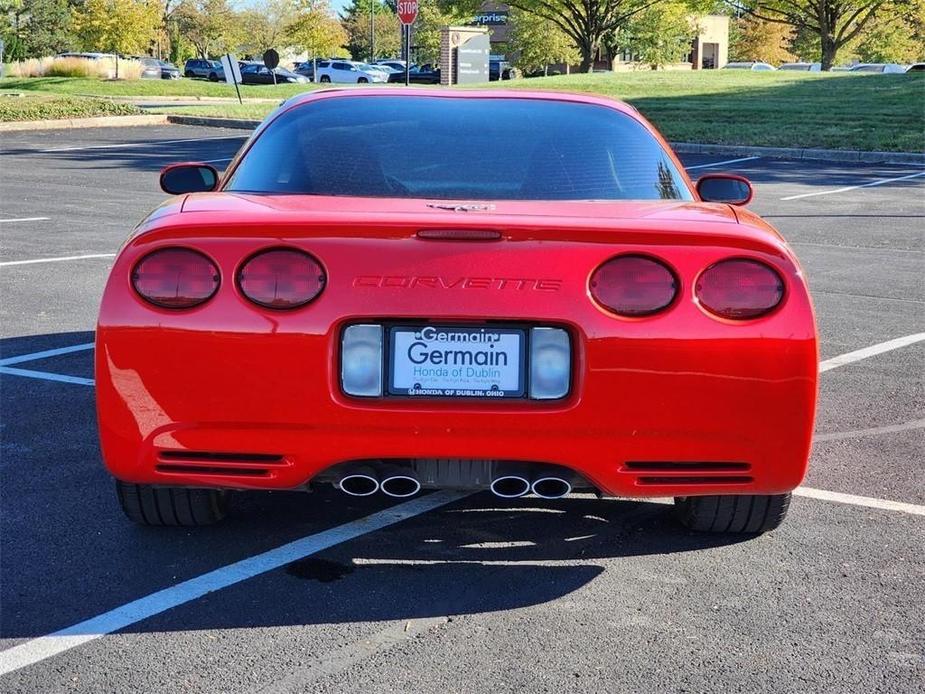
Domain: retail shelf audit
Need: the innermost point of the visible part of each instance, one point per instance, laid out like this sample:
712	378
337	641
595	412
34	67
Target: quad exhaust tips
359	482
551	487
400	486
510	486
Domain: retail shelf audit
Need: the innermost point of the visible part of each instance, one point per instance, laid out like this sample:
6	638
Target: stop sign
407	11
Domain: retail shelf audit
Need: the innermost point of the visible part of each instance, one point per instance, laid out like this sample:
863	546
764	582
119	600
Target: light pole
372	32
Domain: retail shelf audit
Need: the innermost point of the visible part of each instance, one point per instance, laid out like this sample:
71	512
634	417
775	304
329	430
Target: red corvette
397	290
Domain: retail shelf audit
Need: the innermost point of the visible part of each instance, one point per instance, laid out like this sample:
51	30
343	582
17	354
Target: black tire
171	506
362	80
213	77
190	73
324	78
746	513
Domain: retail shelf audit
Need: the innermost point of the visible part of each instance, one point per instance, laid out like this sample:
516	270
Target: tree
658	35
355	20
896	39
756	39
537	42
210	25
315	29
432	16
587	22
35	28
265	25
835	22
117	26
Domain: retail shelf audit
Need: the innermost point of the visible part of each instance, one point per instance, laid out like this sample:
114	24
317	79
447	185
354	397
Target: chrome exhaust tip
358	484
400	486
551	487
510	486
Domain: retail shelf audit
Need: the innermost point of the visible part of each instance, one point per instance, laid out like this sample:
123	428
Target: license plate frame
394	336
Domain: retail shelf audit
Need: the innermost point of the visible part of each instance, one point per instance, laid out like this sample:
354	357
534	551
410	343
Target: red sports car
397	290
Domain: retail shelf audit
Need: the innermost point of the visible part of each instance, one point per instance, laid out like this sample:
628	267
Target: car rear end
638	348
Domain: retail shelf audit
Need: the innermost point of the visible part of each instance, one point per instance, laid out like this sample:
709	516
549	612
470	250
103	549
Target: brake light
175	278
281	278
739	289
634	285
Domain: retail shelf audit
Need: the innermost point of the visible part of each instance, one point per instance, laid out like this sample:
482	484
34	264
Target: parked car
753	65
398	65
881	68
306	69
916	67
258	73
88	56
347	72
336	310
501	70
154	69
801	67
425	74
211	70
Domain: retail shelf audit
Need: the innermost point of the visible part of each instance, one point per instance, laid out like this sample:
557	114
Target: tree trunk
829	50
587	49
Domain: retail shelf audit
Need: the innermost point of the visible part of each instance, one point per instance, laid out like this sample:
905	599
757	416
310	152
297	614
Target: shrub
105	68
28	108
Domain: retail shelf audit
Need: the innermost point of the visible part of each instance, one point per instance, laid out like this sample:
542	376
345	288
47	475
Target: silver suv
208	69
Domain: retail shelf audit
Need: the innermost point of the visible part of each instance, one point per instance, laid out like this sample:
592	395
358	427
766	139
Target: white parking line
43	647
45	354
871	351
879	182
25	219
56	260
873	431
148	143
46	376
720	163
854	500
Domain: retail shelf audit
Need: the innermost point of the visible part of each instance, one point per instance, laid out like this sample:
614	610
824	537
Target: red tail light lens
175	278
281	278
739	289
634	285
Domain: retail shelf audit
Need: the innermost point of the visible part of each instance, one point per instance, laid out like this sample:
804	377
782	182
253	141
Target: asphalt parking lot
450	593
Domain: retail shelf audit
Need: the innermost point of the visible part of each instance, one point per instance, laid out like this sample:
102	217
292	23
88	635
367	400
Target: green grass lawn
48	106
839	111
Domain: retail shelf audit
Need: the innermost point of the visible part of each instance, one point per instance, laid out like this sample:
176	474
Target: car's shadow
69	554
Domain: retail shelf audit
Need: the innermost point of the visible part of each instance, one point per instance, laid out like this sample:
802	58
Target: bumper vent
207	463
660	473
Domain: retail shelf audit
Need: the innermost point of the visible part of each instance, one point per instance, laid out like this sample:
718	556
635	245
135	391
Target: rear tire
362	80
746	513
146	504
325	79
189	73
213	77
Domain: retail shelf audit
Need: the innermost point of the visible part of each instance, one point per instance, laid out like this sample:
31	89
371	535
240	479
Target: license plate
457	362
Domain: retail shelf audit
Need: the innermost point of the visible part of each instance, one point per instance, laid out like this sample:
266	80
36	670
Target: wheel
146	504
362	80
325	78
213	77
190	73
746	513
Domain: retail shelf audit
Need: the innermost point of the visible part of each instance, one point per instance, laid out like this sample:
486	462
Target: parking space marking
25	219
148	143
879	182
46	376
854	500
56	260
871	351
873	431
44	647
720	163
45	354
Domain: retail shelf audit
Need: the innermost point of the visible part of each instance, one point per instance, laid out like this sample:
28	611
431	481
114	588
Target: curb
97	122
175	97
210	122
794	153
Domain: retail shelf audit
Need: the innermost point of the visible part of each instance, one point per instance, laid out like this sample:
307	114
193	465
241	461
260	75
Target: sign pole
407	30
407	11
233	78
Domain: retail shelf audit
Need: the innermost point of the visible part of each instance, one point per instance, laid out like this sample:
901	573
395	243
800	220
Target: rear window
458	148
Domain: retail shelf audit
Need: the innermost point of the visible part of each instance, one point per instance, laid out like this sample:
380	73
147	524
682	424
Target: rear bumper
645	418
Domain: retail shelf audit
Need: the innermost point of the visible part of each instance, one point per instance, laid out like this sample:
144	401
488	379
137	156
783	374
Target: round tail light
281	278
739	289
634	285
175	278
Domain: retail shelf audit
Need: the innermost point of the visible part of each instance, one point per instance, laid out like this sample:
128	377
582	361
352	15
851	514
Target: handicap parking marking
44	647
46	376
46	353
871	184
